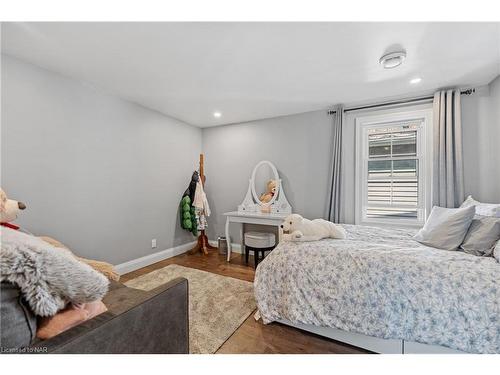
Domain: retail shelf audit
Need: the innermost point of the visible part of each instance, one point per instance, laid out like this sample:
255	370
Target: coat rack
202	244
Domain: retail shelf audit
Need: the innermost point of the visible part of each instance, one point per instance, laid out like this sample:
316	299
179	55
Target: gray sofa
136	322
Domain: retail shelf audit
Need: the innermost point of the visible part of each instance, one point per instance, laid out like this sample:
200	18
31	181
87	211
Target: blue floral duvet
382	283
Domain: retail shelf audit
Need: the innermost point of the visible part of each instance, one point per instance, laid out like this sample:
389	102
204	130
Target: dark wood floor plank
252	337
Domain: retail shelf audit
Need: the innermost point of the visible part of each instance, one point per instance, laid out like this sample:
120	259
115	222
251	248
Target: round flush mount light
217	114
415	80
393	59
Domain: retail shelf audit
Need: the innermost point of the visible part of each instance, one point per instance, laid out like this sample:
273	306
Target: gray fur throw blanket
49	278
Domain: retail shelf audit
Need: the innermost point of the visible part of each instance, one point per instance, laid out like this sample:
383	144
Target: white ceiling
251	71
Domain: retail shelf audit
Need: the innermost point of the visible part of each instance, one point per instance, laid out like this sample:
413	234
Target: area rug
218	305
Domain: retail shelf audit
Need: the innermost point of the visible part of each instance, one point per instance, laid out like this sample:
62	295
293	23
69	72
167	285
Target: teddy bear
299	229
103	267
9	210
270	192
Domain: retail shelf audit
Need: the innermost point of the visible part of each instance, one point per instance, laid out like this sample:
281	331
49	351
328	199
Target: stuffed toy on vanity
299	229
270	192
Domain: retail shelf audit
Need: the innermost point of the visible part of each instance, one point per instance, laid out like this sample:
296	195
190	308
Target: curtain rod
404	101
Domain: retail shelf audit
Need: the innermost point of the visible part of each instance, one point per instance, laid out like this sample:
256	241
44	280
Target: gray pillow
446	227
482	236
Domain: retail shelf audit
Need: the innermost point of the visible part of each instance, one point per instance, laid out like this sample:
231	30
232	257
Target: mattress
382	283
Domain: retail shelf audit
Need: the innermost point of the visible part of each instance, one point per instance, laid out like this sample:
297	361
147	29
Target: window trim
424	153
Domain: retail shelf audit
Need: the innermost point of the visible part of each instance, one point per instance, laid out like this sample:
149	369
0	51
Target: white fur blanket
49	278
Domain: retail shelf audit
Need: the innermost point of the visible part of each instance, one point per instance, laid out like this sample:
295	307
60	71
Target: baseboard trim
144	261
147	260
235	247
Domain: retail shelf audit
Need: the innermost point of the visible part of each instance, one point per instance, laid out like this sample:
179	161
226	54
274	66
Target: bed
381	290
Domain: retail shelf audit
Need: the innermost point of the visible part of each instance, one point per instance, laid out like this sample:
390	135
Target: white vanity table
250	211
259	218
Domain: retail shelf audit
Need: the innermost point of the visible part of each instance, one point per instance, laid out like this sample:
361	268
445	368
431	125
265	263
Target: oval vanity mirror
265	184
265	193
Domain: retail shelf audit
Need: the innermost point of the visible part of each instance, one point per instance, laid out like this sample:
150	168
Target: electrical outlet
153	243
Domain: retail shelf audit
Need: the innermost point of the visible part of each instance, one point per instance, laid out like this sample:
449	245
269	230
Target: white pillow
496	252
483	209
446	227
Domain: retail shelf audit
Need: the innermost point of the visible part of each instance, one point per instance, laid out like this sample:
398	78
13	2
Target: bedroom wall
481	132
105	175
98	173
299	146
481	140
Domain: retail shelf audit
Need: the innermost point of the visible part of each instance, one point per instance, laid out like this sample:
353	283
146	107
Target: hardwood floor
213	262
253	337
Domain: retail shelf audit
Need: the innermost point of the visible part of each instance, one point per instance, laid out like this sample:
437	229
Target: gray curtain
333	213
448	177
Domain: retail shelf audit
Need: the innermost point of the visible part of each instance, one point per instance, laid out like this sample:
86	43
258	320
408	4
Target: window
392	183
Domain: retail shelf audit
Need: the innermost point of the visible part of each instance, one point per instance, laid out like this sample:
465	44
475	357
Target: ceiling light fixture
393	59
217	114
415	80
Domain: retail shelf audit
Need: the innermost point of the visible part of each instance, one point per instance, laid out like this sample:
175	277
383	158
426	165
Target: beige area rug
218	305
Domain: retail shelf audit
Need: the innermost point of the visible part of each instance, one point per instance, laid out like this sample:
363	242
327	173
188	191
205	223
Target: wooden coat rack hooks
202	244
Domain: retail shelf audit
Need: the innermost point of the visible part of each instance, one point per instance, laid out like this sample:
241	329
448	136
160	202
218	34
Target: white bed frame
374	344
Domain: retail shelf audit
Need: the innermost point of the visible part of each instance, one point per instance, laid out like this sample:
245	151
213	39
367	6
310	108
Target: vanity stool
258	242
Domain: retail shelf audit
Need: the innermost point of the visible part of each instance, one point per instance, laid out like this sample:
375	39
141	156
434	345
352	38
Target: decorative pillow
482	236
483	209
446	227
68	318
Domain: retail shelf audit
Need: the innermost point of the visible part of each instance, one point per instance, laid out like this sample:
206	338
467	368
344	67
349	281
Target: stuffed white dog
301	229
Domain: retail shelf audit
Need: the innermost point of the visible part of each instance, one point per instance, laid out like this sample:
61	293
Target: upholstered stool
258	242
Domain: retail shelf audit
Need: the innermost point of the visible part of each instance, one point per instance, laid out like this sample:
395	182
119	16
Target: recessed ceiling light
415	80
217	114
392	60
